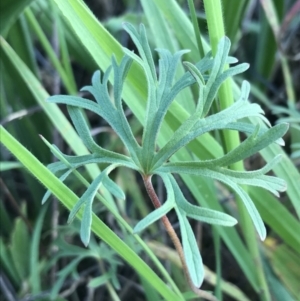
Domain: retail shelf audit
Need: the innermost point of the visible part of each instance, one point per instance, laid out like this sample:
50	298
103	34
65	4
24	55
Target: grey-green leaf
191	251
86	222
198	213
48	192
88	196
113	188
153	216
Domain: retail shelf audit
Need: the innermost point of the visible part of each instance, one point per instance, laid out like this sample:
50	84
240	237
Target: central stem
168	226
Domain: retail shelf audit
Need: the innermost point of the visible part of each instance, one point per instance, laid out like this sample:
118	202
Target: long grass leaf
68	198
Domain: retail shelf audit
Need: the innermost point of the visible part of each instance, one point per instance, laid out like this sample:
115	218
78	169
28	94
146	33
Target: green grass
29	63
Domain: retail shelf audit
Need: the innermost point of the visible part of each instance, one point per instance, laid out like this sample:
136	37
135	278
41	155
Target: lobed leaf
87	199
163	96
120	73
104	107
257	221
232	184
140	40
194	126
84	132
199	213
147	63
254	143
204	65
253	178
249	128
217	83
209	74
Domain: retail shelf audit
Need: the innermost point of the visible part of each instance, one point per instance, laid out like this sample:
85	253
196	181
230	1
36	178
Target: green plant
293	118
99	252
208	74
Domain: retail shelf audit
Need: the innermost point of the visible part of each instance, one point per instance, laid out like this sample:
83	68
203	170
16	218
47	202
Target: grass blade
68	198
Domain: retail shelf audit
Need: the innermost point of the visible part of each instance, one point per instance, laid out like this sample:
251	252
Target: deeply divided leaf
163	88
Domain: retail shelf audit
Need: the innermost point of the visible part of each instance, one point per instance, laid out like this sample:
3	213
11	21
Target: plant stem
169	228
213	10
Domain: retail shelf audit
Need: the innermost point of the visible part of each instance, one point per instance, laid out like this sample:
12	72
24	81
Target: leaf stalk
178	246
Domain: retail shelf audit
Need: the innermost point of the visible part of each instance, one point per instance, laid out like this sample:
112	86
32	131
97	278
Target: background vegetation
53	47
